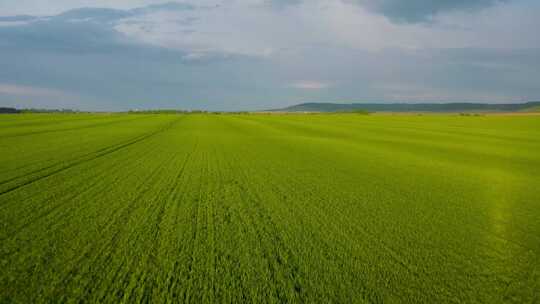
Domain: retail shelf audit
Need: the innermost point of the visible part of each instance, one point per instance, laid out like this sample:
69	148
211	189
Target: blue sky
259	54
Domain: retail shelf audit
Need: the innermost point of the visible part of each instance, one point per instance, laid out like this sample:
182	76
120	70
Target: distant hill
410	107
533	109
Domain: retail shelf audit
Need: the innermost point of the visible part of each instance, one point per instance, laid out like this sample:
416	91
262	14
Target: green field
269	208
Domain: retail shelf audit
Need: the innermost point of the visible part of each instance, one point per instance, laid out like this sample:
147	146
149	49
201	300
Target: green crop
269	208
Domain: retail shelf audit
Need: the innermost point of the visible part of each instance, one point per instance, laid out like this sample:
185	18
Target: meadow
339	208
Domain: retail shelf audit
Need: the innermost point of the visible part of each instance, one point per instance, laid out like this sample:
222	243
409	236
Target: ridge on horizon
409	107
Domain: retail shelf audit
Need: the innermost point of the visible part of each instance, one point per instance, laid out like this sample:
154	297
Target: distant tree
9	111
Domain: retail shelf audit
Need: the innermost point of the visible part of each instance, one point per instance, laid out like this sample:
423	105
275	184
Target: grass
269	208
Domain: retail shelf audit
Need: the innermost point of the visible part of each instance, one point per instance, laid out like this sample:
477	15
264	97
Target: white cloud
236	28
24	96
310	85
406	92
48	7
30	91
250	28
14	23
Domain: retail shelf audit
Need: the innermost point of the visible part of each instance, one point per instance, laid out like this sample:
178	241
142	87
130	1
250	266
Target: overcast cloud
256	54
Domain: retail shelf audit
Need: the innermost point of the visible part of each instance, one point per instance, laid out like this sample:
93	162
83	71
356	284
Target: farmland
339	208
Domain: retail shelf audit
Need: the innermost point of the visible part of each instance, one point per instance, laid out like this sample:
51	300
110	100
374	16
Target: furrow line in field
278	189
224	260
247	276
404	127
197	233
211	256
362	147
141	283
145	238
65	186
373	142
47	119
73	196
98	151
339	225
72	191
270	238
115	229
84	255
171	195
106	206
179	252
478	226
87	158
101	124
172	278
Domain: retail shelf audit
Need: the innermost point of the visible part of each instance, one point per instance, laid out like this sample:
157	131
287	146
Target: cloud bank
422	10
256	54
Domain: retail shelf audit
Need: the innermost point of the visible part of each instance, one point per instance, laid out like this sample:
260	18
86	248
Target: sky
262	54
